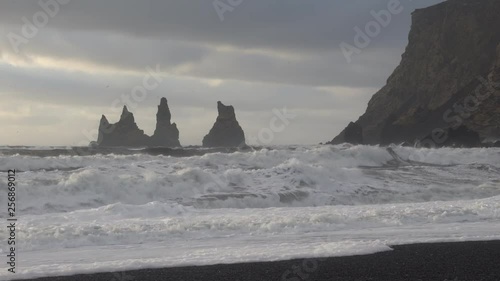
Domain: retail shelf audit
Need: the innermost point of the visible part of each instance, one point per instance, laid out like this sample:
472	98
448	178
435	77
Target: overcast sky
87	56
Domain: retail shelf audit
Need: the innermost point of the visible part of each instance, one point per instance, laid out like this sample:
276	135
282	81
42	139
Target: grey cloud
59	87
132	34
268	53
324	69
294	24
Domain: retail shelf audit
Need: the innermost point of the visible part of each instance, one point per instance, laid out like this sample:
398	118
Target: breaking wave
298	176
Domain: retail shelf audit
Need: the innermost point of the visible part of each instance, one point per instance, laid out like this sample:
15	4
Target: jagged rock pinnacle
123	133
226	131
166	134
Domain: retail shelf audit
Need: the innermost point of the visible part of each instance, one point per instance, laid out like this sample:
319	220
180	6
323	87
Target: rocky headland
446	90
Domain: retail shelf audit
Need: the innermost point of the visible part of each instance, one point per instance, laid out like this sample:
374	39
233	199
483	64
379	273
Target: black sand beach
467	261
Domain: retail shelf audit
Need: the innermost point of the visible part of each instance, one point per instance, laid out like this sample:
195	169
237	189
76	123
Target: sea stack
104	129
166	133
226	131
124	133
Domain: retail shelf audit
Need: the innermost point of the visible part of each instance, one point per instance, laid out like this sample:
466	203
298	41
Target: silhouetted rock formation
496	144
226	131
353	134
166	134
449	76
459	137
104	129
126	132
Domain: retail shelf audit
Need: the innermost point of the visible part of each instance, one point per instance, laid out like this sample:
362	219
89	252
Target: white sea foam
134	211
306	176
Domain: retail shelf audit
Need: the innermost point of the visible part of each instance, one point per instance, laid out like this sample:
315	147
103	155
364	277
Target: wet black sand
466	261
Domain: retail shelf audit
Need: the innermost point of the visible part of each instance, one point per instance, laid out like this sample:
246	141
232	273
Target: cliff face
449	76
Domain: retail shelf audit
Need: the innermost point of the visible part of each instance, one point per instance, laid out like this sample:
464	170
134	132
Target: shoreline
474	260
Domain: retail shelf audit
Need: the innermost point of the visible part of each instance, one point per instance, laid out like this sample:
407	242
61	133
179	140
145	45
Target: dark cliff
448	78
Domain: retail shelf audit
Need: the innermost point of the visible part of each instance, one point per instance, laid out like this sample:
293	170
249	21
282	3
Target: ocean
84	210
